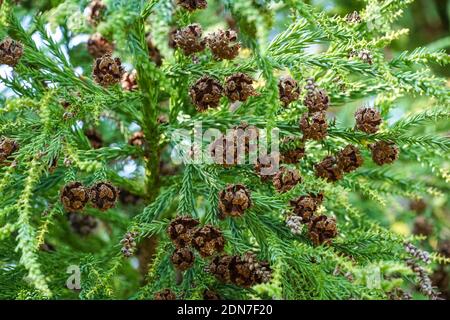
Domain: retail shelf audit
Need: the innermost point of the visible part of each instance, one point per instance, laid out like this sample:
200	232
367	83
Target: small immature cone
288	90
7	148
314	126
305	206
98	46
189	39
182	259
224	44
286	179
234	200
181	229
10	52
165	294
316	99
350	159
192	5
384	152
367	120
208	241
74	196
103	195
239	87
95	11
107	70
329	169
129	81
206	93
322	230
82	224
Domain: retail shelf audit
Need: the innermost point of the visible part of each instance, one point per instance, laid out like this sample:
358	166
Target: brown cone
322	230
189	39
137	139
103	195
384	152
329	169
292	151
234	200
238	87
305	206
82	224
98	46
7	148
266	166
349	159
180	230
107	70
96	10
220	268
417	205
208	240
10	52
314	126
367	120
316	99
182	259
288	90
206	93
285	179
224	44
165	294
74	196
192	5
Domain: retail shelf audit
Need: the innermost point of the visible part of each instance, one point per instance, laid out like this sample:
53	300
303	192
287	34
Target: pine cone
10	52
322	230
353	17
349	159
234	200
288	90
165	294
417	205
192	5
305	206
238	87
129	81
208	240
98	46
153	51
224	44
314	127
129	244
95	10
210	295
206	93
94	138
267	166
137	139
182	259
7	148
292	151
367	120
220	268
285	179
329	169
316	99
180	231
422	227
384	152
103	195
247	271
189	39
107	70
74	196
82	224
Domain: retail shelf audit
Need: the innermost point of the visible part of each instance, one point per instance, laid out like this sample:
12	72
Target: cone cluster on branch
129	244
74	196
234	200
107	70
306	206
82	224
332	168
10	52
7	148
102	195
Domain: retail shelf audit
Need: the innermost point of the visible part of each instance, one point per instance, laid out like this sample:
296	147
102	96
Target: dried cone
107	70
267	166
305	206
210	295
234	200
82	224
103	195
180	231
316	99
7	148
165	294
349	159
384	152
422	227
292	151
208	241
220	268
314	127
98	46
10	52
189	39
95	11
206	93
322	230
329	169
129	81
286	179
137	139
74	196
153	51
239	87
192	5
367	120
224	44
182	259
288	90
246	271
94	138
